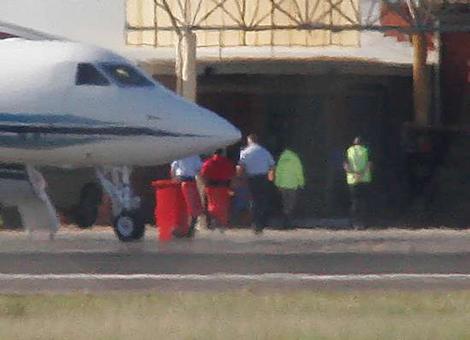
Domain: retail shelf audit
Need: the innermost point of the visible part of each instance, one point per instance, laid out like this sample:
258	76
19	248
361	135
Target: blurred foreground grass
238	315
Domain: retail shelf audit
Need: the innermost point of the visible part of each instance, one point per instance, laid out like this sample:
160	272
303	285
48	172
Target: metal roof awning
301	66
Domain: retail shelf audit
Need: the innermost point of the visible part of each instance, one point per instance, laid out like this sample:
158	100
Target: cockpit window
125	75
87	74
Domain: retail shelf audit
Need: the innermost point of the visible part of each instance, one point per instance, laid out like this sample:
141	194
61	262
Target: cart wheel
129	226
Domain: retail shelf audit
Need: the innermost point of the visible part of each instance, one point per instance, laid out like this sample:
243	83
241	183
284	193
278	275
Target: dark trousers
359	202
259	188
289	199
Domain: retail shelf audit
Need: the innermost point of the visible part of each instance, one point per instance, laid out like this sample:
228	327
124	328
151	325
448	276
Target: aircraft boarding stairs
24	187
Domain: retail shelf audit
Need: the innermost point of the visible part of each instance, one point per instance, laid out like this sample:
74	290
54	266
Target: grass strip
238	315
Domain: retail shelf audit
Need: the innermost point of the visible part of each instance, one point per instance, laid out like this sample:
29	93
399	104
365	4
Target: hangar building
316	90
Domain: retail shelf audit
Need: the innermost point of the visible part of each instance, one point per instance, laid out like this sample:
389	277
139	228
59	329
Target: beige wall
152	22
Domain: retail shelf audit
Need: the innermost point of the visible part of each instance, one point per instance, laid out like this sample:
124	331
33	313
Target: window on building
125	75
87	74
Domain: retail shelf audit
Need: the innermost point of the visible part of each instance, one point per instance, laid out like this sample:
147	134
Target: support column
186	75
421	84
437	104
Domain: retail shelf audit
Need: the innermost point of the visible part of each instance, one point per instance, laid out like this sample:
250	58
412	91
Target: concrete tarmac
302	259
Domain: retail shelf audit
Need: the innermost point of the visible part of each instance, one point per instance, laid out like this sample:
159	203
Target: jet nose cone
215	130
202	129
224	132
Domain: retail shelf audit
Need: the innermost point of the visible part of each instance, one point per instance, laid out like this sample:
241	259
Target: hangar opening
318	106
318	102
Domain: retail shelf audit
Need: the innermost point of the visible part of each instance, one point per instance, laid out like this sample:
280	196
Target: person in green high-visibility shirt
289	178
358	169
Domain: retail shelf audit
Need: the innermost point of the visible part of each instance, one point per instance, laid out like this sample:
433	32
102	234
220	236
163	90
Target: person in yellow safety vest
289	178
358	169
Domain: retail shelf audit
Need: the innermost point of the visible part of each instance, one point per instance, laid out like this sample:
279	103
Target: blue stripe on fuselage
46	118
45	142
88	130
48	131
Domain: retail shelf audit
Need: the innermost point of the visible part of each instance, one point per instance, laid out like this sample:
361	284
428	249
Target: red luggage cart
170	210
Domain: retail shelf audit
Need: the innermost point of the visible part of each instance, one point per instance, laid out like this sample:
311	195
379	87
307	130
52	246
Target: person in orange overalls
217	172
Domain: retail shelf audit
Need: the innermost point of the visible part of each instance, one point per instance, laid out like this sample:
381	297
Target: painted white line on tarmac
239	277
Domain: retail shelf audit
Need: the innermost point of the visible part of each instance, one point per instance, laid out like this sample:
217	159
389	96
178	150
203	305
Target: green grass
238	315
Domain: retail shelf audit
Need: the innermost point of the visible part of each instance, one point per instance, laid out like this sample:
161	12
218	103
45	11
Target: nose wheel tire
129	226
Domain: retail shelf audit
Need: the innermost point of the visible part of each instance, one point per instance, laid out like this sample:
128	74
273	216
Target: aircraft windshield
87	74
125	75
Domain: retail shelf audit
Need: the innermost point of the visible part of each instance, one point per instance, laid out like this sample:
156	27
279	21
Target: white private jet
67	104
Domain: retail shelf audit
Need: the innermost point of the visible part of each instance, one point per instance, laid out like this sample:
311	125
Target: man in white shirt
185	170
257	164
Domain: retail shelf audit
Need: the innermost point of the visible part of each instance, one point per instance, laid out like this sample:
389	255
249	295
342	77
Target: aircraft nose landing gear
128	223
128	226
